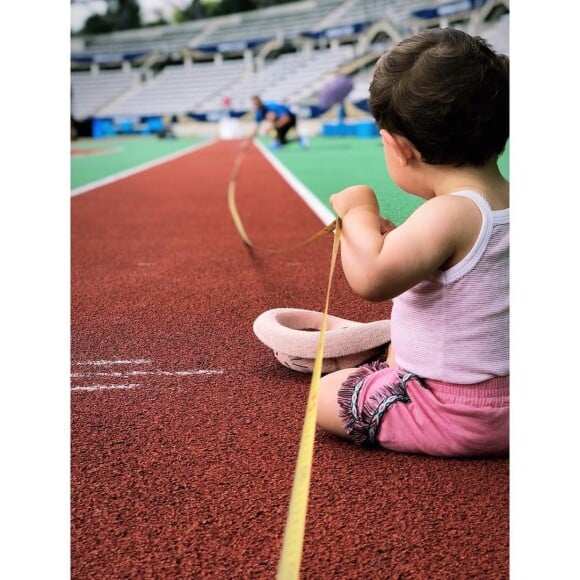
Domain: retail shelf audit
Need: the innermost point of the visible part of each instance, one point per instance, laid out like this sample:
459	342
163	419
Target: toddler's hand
357	196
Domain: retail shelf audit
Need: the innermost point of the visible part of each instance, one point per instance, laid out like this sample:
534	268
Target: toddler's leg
328	417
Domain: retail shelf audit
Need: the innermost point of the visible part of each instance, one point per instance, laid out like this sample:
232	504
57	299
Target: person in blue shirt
280	118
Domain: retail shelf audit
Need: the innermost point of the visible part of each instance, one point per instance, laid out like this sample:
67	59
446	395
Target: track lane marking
138	361
104	387
129	373
187	373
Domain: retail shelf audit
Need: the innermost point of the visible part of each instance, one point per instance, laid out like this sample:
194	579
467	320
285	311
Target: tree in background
120	15
232	6
194	11
126	14
198	9
96	24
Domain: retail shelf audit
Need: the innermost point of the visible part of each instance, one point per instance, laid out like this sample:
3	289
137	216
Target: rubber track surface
183	475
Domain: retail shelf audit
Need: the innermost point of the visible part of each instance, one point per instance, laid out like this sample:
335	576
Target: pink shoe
293	335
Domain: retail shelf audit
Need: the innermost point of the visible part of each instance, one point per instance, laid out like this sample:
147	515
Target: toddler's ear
401	147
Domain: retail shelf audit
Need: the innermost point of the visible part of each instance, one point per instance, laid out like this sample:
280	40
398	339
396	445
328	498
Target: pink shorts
390	407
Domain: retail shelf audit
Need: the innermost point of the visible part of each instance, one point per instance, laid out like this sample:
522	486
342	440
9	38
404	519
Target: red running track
184	427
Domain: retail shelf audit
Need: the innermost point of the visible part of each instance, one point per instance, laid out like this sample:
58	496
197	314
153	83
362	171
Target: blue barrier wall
108	126
362	129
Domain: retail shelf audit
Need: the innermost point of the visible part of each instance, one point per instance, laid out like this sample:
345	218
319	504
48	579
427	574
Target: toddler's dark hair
448	93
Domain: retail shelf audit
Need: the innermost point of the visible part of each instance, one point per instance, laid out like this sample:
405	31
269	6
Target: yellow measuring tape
238	221
291	553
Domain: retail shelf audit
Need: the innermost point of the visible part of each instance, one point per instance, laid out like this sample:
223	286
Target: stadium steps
91	92
207	31
121	97
336	14
359	63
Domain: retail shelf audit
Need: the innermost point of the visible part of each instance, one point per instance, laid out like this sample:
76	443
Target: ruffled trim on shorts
362	427
348	394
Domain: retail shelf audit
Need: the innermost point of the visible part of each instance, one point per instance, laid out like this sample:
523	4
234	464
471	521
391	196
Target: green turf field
113	155
329	165
333	163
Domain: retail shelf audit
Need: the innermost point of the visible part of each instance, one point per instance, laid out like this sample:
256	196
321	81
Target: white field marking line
325	215
103	387
189	373
137	361
101	151
139	168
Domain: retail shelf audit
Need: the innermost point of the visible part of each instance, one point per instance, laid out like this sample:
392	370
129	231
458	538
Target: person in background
278	118
441	101
226	106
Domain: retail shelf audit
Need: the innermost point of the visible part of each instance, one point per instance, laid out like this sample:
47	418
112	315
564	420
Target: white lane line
100	151
139	168
138	361
104	387
319	209
144	373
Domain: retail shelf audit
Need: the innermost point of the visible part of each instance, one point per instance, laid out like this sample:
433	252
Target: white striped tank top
454	327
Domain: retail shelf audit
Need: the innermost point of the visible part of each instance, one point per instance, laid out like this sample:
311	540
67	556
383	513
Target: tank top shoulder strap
474	255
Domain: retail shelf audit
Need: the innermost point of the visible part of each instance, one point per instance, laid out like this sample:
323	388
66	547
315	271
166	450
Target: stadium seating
291	78
286	21
93	90
284	52
177	89
163	39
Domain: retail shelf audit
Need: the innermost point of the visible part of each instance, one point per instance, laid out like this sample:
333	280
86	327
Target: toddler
441	102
